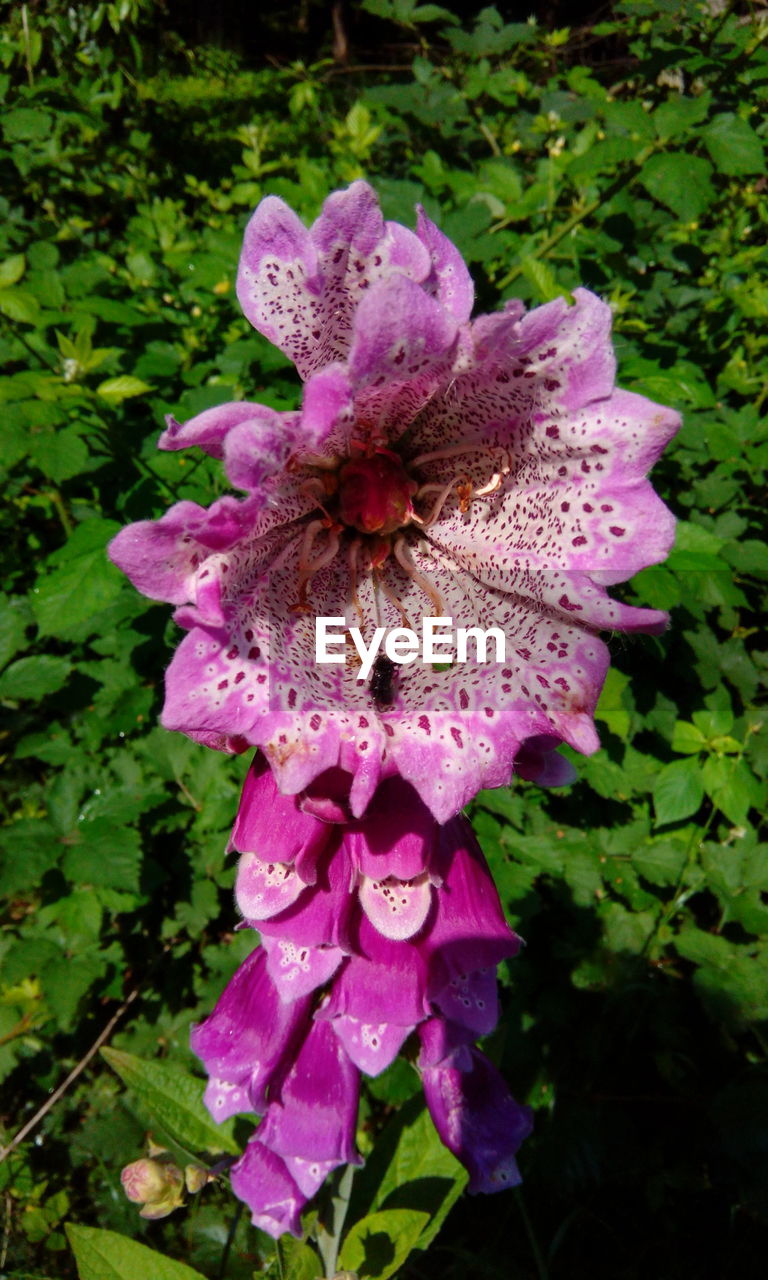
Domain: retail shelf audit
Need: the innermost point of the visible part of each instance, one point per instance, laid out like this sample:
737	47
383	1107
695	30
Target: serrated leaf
379	1244
660	863
34	677
174	1098
106	1255
115	390
83	583
678	791
679	181
734	146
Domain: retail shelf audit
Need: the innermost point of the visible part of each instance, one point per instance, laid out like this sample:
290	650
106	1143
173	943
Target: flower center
374	494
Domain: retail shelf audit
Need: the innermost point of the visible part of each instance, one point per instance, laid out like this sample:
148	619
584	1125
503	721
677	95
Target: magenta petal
386	983
469	930
309	1175
397	835
327	407
477	1119
316	1114
371	1046
453	283
261	1179
319	917
397	908
299	970
274	826
441	1039
472	1000
162	557
209	429
264	889
249	1035
255	451
277	281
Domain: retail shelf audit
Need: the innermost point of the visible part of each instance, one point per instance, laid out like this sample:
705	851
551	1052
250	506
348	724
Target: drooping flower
487	472
370	929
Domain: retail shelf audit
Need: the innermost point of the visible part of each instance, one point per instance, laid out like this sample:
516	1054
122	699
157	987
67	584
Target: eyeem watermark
438	643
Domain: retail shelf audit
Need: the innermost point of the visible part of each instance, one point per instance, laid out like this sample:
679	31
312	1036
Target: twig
73	1075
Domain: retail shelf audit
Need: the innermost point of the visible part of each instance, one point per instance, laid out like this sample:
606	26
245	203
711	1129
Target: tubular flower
370	929
487	472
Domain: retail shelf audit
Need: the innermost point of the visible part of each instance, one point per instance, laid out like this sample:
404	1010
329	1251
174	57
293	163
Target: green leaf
679	181
115	390
34	677
687	738
542	277
679	114
611	708
106	1255
174	1098
300	1262
19	305
12	269
409	1168
660	863
26	124
678	791
379	1244
83	583
734	146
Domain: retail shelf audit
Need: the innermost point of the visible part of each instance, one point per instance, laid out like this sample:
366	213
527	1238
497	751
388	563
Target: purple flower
370	929
489	472
473	1111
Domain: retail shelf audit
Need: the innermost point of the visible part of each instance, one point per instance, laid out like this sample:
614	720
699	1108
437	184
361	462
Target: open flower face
486	472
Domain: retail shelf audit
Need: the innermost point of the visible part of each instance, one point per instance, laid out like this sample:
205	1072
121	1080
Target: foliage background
627	153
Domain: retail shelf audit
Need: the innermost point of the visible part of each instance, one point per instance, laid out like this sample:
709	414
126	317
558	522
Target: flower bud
158	1185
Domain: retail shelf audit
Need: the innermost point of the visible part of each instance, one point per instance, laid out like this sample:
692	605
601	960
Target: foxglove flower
487	472
370	929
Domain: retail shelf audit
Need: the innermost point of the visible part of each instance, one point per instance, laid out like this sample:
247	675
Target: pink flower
489	472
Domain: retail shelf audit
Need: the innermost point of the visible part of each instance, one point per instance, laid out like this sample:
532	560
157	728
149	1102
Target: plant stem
541	1266
623	180
329	1238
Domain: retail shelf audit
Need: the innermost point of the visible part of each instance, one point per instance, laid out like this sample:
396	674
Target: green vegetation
627	155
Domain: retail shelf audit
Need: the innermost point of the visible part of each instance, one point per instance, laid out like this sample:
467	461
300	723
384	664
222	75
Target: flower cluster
488	472
371	929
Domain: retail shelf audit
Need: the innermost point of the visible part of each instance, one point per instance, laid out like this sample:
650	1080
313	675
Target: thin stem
279	1257
541	1266
576	219
329	1239
27	45
73	1075
229	1241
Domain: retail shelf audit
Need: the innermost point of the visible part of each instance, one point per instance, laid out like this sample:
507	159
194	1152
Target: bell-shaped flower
487	472
473	1111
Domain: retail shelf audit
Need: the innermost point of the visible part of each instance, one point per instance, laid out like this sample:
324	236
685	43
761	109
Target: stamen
443	491
403	557
380	585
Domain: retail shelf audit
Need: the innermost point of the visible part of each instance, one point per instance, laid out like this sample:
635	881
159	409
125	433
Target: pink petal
208	430
264	889
397	908
452	282
261	1179
371	1046
472	1000
298	970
